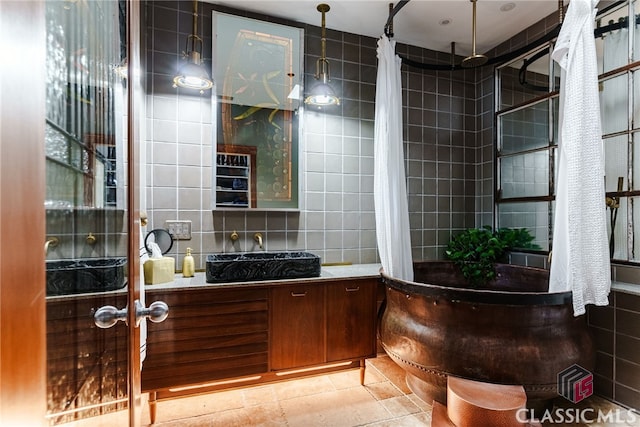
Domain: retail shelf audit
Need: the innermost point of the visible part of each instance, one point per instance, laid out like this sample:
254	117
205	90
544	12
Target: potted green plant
476	250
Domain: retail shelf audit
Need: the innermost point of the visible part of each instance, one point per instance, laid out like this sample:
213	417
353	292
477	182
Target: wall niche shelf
235	176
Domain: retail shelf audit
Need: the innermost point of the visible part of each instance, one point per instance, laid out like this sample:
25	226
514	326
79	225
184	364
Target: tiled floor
331	400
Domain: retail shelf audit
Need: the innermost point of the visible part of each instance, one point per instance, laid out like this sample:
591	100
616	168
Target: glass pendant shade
193	75
322	94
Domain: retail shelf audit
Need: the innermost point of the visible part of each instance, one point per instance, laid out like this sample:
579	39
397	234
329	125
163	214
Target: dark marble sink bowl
79	276
251	266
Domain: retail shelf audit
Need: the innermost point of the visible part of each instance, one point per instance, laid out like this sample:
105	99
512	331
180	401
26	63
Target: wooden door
91	202
22	225
297	326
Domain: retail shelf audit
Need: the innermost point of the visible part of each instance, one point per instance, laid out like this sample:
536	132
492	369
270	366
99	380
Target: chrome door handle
156	312
107	316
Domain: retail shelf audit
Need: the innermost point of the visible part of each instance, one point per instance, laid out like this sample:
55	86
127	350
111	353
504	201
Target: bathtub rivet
408	296
435	302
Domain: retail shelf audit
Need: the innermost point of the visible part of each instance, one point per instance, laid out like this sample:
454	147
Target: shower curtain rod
388	31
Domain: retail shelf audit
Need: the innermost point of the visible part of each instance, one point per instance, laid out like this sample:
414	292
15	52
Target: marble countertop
335	272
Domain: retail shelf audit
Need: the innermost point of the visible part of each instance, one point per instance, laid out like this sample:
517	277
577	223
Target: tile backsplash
445	115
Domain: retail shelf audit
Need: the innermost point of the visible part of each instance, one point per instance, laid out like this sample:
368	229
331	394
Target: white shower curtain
580	260
390	193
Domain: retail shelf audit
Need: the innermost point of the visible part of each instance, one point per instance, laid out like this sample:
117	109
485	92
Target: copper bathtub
510	332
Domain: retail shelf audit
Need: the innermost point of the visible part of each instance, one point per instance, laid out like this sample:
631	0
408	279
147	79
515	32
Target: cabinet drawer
209	335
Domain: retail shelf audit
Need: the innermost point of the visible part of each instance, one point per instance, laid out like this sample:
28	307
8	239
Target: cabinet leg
362	369
152	406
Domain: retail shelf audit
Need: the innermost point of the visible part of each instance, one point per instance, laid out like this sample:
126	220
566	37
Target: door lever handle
107	316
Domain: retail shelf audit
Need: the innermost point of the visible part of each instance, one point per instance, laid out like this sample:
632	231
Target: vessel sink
78	276
252	266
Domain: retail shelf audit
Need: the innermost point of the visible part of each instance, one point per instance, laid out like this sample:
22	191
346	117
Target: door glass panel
636	162
557	73
85	207
635	204
614	101
525	175
555	105
612	46
525	129
534	216
615	154
636	97
524	79
636	32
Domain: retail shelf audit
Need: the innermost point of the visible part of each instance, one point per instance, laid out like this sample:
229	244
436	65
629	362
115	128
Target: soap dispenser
188	265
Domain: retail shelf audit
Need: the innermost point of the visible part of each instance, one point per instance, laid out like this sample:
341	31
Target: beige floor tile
340	408
384	390
303	387
400	406
201	421
259	395
266	415
373	376
425	406
391	371
346	379
330	400
415	420
185	407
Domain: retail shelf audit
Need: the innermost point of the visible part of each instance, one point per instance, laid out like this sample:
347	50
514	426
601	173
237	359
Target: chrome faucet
258	238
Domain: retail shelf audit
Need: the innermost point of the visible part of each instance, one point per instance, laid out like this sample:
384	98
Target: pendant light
322	94
193	75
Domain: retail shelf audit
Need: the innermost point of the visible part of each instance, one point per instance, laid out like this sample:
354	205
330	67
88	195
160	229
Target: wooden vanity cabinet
233	336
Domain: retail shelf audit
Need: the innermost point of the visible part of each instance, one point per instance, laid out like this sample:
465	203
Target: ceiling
419	22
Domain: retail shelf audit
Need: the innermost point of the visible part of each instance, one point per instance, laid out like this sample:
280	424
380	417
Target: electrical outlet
179	230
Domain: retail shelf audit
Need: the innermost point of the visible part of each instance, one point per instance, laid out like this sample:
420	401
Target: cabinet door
297	326
351	317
